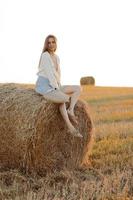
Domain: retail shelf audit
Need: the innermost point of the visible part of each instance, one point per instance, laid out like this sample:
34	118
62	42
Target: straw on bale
88	80
33	135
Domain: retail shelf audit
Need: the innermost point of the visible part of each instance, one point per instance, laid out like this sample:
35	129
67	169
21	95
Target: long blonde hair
45	47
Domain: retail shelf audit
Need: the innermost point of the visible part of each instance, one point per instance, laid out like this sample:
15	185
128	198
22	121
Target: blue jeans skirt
43	86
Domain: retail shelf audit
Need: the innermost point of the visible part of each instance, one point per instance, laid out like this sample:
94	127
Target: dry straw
88	80
33	135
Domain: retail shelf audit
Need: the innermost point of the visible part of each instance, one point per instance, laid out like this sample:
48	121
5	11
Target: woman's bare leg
63	111
59	97
74	92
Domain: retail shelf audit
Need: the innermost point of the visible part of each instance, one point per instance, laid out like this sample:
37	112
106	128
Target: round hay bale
88	80
33	135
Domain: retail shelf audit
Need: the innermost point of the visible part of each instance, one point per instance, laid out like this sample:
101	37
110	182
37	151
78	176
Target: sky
94	38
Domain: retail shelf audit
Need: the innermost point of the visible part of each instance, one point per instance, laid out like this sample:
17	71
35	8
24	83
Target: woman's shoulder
45	54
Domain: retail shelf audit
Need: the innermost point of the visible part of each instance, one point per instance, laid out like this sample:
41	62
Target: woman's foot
78	134
75	133
72	117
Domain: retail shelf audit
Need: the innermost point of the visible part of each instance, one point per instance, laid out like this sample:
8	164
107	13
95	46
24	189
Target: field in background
110	175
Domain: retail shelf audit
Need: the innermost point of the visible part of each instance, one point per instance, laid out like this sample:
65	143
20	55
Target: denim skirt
43	86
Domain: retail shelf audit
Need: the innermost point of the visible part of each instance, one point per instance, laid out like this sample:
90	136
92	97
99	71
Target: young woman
48	84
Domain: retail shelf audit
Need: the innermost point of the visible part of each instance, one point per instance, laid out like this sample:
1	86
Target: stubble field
110	174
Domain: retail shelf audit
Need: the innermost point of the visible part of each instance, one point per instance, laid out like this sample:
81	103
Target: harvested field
110	175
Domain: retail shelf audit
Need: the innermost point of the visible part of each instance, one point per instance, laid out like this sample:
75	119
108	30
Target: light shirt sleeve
59	71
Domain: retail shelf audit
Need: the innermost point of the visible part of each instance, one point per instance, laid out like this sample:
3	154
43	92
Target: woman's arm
46	70
59	71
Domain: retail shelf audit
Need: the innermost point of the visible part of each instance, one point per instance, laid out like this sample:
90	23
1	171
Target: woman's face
51	45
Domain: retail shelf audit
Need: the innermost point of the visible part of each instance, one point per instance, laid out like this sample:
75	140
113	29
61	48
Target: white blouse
47	69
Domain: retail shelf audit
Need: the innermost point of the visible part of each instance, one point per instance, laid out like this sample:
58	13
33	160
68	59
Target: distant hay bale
33	135
88	80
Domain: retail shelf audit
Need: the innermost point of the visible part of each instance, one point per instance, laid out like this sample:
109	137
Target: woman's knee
79	89
61	106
